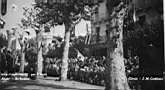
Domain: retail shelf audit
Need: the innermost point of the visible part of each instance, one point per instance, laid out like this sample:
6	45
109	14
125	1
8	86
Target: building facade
96	40
99	24
148	10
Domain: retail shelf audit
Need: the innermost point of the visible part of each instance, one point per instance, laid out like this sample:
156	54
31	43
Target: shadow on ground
33	85
29	85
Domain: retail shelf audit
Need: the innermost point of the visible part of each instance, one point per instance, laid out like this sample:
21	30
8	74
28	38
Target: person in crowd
2	61
32	60
46	63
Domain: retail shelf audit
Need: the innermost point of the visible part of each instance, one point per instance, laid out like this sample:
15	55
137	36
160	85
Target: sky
15	13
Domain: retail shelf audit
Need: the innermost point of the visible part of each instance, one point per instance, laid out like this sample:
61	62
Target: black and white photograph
82	45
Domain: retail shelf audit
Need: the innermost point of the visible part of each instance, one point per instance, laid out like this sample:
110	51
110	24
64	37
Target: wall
14	12
100	20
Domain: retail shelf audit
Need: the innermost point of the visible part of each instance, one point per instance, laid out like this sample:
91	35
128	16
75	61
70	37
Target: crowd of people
8	60
87	69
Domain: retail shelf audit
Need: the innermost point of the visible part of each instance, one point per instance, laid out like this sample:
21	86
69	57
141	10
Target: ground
51	83
48	83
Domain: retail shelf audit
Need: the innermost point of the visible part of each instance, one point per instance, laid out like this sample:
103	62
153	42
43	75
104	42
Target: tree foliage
29	19
65	11
143	44
142	33
79	44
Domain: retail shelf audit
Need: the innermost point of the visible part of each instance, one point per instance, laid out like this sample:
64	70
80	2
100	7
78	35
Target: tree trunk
9	35
39	59
64	66
22	64
115	69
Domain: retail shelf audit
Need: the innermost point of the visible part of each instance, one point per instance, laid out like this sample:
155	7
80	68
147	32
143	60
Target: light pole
3	7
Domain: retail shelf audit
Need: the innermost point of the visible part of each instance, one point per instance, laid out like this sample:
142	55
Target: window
142	19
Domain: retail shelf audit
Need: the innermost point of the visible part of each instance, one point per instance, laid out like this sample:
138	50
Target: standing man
46	62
